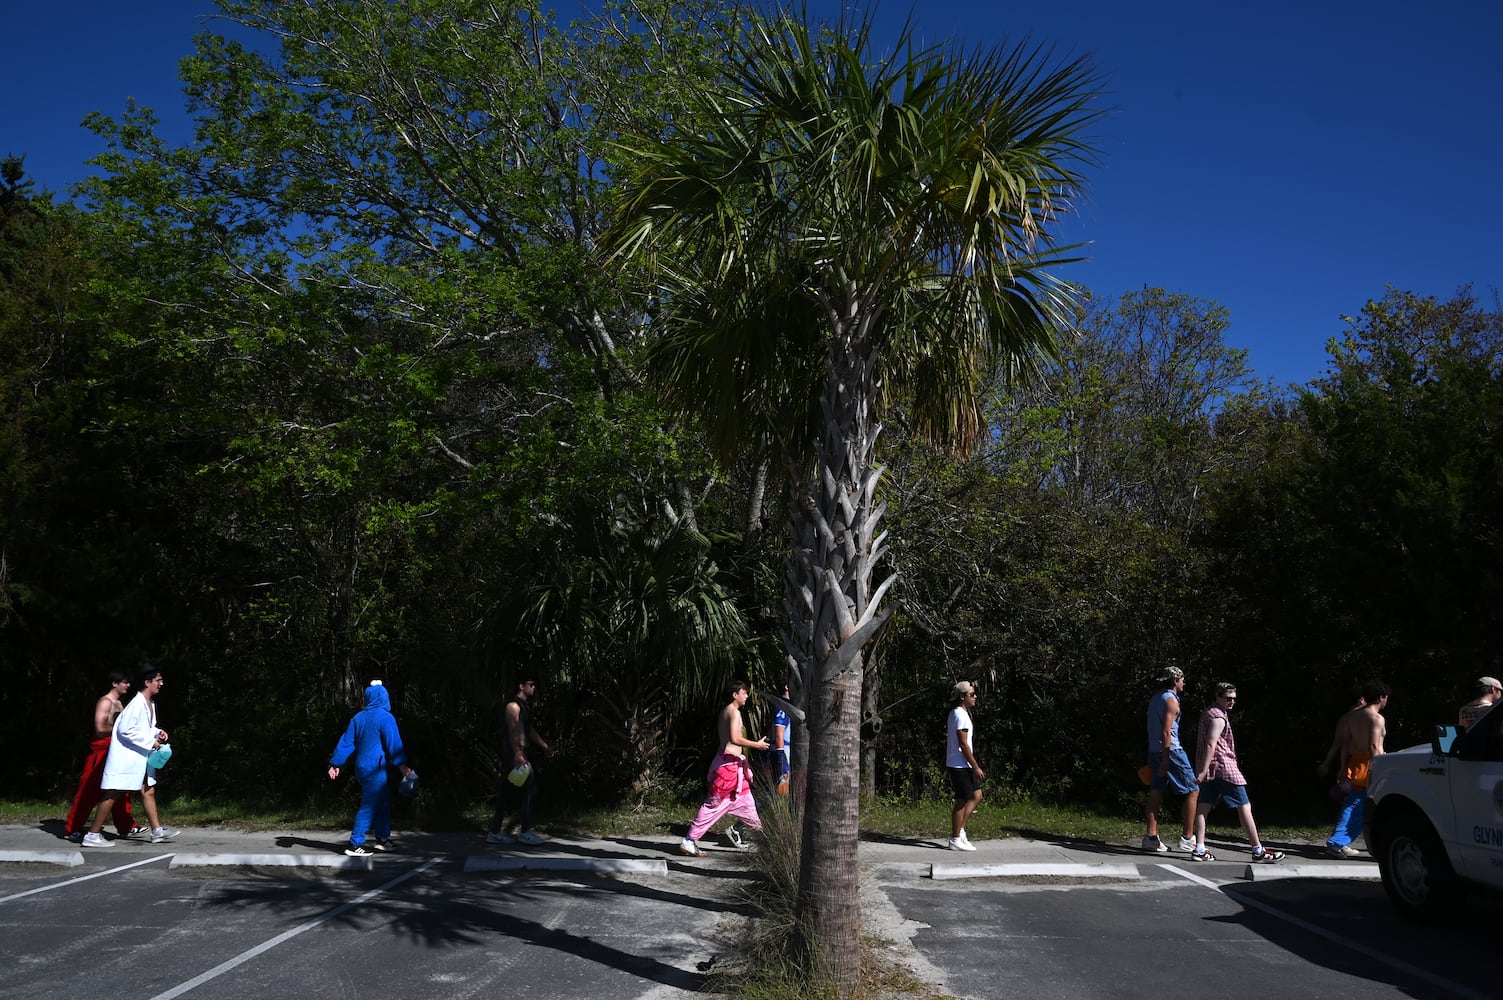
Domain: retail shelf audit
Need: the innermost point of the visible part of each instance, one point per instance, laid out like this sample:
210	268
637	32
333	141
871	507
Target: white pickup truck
1435	818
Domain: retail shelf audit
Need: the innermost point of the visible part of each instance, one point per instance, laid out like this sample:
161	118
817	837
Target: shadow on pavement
449	914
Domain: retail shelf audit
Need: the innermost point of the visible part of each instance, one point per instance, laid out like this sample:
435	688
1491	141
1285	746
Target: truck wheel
1417	875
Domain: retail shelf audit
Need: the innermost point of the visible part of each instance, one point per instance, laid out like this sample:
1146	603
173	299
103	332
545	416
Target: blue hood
376	697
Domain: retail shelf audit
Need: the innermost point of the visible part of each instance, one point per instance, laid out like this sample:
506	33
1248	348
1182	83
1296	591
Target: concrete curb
941	872
639	865
1338	869
278	860
68	859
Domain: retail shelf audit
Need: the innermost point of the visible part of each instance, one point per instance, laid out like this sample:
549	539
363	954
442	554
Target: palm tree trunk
844	613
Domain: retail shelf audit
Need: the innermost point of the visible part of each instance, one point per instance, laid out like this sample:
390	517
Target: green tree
360	325
1061	563
1368	544
894	214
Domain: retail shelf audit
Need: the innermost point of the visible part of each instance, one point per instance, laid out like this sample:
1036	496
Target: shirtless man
1333	753
730	775
106	710
1360	734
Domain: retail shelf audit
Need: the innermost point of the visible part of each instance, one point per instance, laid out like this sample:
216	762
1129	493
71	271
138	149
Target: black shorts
964	781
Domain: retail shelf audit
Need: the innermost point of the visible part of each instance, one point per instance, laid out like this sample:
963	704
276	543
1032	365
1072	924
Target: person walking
1488	692
373	740
1360	734
782	745
127	766
730	787
90	790
518	733
1168	764
961	766
1219	776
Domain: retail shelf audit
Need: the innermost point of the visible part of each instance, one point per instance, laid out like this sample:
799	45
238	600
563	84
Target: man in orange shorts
1360	734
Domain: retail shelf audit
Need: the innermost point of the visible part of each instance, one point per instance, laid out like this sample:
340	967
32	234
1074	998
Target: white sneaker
1187	844
528	837
965	837
958	844
734	835
163	833
96	840
690	849
500	837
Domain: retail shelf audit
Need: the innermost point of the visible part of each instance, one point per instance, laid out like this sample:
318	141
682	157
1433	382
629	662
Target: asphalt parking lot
1179	928
450	917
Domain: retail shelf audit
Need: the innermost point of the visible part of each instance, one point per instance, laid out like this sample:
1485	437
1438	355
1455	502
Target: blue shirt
1158	707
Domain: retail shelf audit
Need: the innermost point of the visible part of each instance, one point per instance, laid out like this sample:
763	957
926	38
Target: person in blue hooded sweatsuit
372	739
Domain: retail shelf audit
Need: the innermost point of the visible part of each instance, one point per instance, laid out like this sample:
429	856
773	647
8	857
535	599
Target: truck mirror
1442	744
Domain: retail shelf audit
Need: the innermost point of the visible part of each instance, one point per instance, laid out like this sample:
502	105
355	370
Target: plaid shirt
1224	753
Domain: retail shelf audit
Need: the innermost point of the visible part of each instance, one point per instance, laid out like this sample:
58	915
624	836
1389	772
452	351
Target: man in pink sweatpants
730	791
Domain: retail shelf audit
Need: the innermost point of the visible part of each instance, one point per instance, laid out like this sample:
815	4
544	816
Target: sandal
1205	855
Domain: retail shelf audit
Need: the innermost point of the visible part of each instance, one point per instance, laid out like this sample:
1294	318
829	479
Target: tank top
524	726
1158	706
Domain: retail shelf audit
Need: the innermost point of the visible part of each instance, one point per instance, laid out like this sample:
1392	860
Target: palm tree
834	233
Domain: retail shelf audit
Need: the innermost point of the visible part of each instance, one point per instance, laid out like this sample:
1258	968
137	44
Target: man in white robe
126	769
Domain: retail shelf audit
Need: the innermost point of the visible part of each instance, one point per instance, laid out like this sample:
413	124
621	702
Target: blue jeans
374	814
1349	821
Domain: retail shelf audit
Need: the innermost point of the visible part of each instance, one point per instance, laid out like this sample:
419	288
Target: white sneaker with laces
163	833
1187	844
96	840
957	844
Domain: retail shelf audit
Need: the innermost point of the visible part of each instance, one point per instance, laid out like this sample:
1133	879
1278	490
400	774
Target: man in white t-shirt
960	763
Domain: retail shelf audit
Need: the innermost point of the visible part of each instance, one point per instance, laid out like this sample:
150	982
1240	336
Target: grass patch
930	820
882	817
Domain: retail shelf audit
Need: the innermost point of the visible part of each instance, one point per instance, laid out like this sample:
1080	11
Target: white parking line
265	946
1423	975
85	878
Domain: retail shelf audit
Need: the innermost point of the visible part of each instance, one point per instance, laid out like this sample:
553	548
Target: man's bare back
728	725
1362	731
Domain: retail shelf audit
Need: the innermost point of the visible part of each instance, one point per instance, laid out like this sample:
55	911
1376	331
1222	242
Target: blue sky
1284	159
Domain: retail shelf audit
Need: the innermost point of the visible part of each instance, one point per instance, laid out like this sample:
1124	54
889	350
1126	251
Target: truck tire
1417	875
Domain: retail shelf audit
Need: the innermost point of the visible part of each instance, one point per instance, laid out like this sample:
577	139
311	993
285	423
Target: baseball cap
1487	683
962	688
